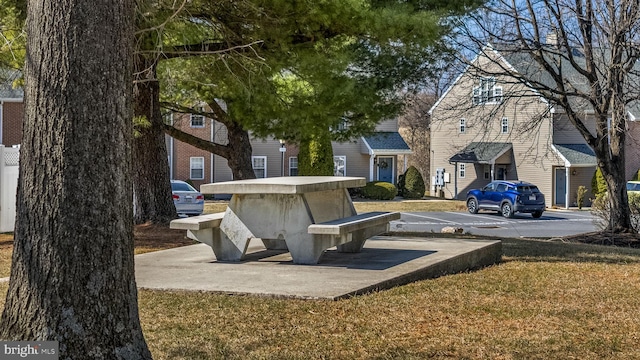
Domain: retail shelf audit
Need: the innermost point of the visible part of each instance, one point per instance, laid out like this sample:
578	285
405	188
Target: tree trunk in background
72	276
239	159
237	152
151	185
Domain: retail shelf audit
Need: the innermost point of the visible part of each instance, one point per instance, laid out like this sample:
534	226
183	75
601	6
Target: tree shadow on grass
560	250
571	249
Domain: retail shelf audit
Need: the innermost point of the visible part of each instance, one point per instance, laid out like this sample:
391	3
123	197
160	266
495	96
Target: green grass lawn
545	300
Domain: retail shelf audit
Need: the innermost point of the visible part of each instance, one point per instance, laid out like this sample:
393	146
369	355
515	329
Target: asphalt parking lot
553	223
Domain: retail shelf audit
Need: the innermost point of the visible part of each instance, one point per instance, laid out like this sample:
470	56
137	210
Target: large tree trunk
72	275
151	186
611	160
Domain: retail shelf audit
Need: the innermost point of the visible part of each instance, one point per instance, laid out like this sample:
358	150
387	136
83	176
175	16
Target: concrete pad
384	262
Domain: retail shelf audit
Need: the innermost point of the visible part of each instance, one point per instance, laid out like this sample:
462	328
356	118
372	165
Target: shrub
598	184
634	207
413	187
401	185
379	190
316	157
600	208
582	190
636	176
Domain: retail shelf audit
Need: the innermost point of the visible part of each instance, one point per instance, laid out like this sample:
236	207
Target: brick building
11	108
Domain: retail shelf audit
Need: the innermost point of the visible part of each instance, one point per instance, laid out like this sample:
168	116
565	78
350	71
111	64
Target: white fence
9	160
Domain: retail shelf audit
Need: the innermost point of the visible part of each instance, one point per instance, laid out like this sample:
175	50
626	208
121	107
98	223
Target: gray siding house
374	157
492	127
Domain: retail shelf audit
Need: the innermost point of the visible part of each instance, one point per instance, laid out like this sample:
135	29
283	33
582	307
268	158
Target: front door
561	186
385	169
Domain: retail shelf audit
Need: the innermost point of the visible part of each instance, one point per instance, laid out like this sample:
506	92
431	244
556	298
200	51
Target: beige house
373	157
491	127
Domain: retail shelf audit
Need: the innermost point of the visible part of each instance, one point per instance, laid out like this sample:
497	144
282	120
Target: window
340	165
259	164
487	92
197	121
196	165
293	166
501	188
489	187
167	118
505	125
463	126
487	171
462	170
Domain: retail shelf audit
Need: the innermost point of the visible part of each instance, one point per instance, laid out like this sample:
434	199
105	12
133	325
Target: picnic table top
283	185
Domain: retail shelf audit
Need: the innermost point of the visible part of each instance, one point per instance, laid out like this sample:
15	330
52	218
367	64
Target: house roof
7	90
386	143
524	63
513	59
576	154
481	152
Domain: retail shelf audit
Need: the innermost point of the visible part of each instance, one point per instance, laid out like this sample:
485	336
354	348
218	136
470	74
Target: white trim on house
253	165
292	167
199	159
336	168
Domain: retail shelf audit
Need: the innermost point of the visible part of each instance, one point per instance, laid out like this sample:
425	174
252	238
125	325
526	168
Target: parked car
633	186
188	201
508	198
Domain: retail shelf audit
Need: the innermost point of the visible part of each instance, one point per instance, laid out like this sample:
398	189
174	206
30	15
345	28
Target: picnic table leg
275	244
308	248
360	236
233	239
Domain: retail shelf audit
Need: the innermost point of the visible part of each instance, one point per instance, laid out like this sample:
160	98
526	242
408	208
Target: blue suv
508	198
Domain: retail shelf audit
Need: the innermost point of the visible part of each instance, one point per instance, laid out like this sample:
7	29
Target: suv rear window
528	189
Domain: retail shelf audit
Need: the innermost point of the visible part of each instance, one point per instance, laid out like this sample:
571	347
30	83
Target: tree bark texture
240	152
611	161
151	186
72	276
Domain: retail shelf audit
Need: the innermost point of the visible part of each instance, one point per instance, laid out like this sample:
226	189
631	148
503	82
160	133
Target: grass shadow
549	250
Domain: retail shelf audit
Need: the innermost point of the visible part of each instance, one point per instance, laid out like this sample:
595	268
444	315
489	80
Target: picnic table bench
306	215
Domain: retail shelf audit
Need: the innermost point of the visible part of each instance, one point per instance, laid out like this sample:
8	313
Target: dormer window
487	92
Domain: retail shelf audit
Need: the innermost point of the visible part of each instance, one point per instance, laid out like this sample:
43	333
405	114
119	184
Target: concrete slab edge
472	260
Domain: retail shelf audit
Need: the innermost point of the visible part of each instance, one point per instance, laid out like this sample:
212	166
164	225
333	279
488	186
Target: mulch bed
159	236
606	238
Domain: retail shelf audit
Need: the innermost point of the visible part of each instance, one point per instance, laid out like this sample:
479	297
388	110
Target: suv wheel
472	206
507	210
536	214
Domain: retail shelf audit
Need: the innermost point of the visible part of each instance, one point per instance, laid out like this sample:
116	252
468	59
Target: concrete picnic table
279	211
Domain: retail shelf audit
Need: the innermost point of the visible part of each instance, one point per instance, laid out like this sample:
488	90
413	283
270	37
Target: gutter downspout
404	163
455	180
211	154
1	120
567	172
371	165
